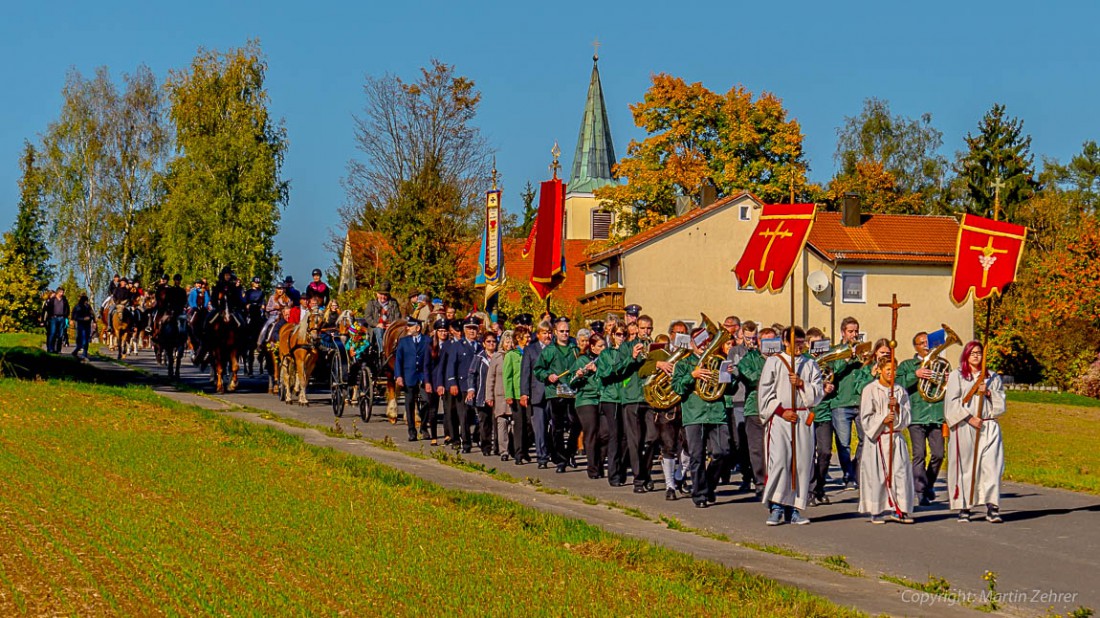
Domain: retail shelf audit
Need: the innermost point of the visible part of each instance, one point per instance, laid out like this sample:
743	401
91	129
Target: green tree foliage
20	298
695	135
1080	179
28	234
530	209
422	152
1000	149
891	160
224	186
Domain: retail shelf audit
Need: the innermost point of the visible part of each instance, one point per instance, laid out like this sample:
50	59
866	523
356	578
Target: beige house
684	266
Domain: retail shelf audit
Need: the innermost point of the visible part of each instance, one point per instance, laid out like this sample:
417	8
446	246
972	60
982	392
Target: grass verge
1053	445
117	501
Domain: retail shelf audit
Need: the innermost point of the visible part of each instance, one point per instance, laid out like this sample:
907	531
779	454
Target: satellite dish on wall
817	281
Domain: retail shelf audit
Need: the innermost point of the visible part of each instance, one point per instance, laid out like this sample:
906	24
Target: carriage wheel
366	394
336	385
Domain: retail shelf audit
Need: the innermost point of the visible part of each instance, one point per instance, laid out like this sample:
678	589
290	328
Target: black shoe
701	505
924	501
495	452
572	462
684	488
542	465
561	468
745	485
711	498
505	457
412	438
638	489
488	453
616	483
670	494
466	450
648	485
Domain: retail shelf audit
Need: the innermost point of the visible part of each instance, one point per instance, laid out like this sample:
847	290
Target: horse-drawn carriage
338	358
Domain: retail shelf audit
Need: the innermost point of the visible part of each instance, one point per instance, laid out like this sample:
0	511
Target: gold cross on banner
778	232
987	258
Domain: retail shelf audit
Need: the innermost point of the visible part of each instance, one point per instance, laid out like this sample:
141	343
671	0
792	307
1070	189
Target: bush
1088	383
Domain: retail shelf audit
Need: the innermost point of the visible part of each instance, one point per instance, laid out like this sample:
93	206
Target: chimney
849	210
708	194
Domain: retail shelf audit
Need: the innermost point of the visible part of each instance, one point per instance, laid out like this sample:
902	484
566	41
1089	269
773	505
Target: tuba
932	389
841	352
711	389
658	386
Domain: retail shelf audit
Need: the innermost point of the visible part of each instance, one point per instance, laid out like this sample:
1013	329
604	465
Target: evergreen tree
28	237
20	299
1000	149
530	209
224	188
1080	178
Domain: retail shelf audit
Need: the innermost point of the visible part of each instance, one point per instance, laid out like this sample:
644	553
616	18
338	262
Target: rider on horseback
274	310
228	290
318	288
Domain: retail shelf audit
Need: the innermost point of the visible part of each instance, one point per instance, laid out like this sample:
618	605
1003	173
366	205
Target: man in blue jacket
460	357
411	351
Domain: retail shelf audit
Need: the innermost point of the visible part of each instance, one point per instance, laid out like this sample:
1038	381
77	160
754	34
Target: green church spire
595	152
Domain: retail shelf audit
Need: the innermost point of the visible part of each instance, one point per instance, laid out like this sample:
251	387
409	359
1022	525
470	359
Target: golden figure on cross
772	234
596	49
555	166
894	305
987	258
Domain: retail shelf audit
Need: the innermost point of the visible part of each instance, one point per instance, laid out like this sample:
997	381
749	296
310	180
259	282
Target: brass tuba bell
932	389
711	389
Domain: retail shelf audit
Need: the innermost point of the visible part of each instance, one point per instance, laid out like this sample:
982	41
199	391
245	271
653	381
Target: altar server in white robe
961	401
885	485
781	416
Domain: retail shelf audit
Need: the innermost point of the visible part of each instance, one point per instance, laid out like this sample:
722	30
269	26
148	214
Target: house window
599	277
853	287
601	225
744	213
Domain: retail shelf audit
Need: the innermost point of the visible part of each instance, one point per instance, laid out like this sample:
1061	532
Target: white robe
874	497
775	391
960	449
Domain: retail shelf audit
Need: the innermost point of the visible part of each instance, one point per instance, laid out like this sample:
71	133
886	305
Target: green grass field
116	501
1053	444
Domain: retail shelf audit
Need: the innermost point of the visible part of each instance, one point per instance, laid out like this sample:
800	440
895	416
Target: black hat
280	286
633	310
385	287
473	320
289	280
596	327
177	277
440	324
413	322
523	319
255	280
164	276
316	272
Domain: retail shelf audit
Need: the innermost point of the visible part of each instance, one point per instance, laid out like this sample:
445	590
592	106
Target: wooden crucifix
894	305
997	185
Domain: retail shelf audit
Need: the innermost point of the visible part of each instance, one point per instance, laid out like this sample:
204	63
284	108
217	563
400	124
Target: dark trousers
565	426
429	412
596	437
701	439
742	453
521	426
638	425
485	428
924	477
83	336
465	419
823	456
616	442
540	422
669	424
412	401
450	416
55	333
754	440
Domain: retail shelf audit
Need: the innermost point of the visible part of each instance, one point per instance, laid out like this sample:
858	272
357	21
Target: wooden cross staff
894	305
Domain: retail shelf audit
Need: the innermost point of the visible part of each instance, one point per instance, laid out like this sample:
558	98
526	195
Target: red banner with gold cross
775	246
987	255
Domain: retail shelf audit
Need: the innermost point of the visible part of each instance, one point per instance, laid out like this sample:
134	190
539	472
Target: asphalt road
1046	554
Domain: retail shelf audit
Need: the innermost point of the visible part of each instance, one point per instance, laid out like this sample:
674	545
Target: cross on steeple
493	175
555	166
997	185
596	49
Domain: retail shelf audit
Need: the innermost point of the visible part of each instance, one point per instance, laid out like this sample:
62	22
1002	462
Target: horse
298	353
387	358
169	341
254	321
222	341
196	334
147	315
122	323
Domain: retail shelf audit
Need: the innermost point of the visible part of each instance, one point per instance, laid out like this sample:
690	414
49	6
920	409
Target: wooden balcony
597	304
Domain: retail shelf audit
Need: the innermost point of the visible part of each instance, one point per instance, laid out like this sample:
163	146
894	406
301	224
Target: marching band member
823	429
555	360
965	391
781	417
749	369
585	380
925	425
704	425
637	417
609	364
849	382
885	484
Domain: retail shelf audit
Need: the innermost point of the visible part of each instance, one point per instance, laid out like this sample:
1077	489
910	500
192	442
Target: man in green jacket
849	379
823	428
638	420
926	422
705	424
749	369
552	367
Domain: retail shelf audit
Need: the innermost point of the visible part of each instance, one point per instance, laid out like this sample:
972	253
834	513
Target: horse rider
275	308
254	300
318	288
293	294
228	288
119	298
381	311
196	298
175	298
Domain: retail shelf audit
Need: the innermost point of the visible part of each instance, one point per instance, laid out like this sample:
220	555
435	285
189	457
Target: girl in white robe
963	420
882	486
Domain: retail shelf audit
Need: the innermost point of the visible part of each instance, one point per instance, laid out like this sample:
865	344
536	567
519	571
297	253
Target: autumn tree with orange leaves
696	135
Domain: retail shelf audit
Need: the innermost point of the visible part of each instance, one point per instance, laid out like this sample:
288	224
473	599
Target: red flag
987	255
530	244
548	268
775	246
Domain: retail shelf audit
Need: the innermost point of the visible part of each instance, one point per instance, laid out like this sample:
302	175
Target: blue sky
532	60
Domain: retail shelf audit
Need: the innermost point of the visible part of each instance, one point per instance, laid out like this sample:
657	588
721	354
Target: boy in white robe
780	418
885	485
961	411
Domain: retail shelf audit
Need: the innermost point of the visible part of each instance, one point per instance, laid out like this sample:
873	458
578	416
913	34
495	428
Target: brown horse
390	337
298	353
121	321
221	337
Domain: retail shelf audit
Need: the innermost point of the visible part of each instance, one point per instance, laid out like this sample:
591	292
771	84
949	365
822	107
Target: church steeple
595	152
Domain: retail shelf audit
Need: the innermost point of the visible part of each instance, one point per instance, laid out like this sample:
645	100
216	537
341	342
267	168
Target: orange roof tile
886	238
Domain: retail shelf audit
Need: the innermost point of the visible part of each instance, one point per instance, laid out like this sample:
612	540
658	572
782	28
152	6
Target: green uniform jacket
513	361
608	365
921	412
555	359
695	410
823	412
587	385
749	369
849	390
632	386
